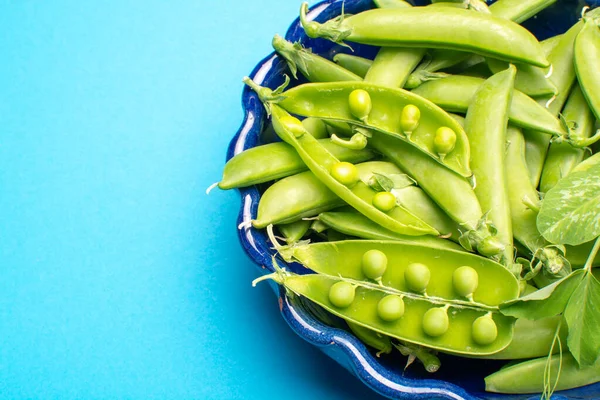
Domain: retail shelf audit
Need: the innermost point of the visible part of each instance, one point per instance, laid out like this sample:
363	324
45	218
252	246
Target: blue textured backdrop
119	277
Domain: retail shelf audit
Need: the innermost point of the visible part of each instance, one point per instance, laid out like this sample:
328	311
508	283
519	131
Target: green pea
435	322
360	104
484	330
293	125
409	119
345	173
374	264
384	201
390	308
444	141
465	280
417	277
316	127
341	294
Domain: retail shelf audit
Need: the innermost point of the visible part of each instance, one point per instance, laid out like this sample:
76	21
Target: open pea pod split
345	259
330	101
355	193
364	310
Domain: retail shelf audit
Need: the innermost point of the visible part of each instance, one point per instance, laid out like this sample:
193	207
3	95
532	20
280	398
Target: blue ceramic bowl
458	378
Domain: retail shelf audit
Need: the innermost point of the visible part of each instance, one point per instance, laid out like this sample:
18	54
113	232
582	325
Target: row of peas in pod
431	189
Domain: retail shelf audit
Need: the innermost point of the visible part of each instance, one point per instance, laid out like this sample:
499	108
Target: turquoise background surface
119	277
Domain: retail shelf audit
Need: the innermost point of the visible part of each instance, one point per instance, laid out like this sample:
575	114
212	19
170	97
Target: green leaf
582	316
570	212
545	302
386	183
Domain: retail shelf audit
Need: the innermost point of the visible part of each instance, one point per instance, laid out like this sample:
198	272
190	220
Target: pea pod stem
314	67
432	27
430	361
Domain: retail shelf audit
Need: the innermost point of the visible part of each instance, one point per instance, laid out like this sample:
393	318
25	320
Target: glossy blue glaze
459	378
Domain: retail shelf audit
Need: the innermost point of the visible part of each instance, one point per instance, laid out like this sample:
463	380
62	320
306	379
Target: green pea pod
359	195
345	259
523	199
532	81
455	196
294	231
355	224
360	306
392	66
529	376
519	10
486	122
563	157
563	77
514	10
433	27
532	339
455	93
314	67
293	198
422	206
376	340
249	168
549	44
355	64
330	101
587	59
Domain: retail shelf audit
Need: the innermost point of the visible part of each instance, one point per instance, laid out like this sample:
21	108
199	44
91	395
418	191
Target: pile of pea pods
410	184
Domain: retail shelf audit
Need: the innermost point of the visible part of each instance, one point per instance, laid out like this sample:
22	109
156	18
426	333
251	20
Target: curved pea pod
433	27
355	224
345	259
486	122
293	198
587	59
529	376
330	102
355	64
277	160
455	93
533	81
314	67
363	310
524	200
532	339
562	156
